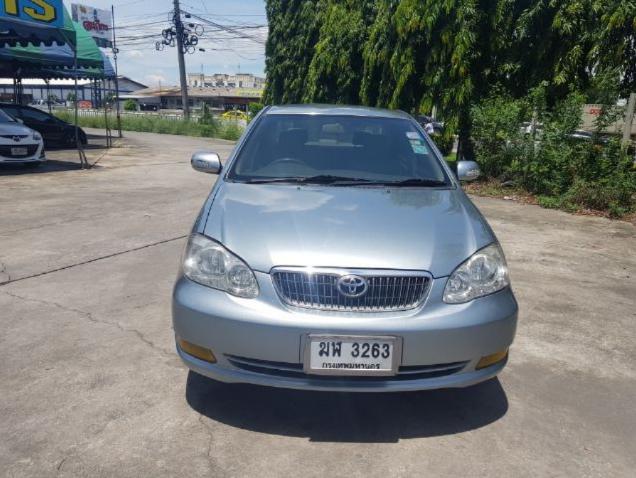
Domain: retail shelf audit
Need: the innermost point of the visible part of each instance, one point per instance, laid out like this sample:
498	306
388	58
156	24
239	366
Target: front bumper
265	330
37	156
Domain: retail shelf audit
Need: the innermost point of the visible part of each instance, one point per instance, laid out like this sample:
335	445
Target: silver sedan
337	251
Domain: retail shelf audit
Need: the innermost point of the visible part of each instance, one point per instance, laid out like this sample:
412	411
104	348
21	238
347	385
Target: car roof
335	110
26	107
14	105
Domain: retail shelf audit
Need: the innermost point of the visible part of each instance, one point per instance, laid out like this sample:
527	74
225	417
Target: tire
69	140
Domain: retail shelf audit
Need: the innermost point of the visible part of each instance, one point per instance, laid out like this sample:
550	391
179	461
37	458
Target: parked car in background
337	251
430	125
435	129
42	103
18	143
528	128
234	115
148	107
54	131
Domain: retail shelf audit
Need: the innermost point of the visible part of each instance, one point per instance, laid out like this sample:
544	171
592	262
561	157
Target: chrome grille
30	150
386	291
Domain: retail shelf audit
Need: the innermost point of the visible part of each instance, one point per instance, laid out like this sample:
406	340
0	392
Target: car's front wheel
69	139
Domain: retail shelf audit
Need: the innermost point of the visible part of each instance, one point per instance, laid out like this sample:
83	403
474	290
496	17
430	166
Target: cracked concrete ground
90	384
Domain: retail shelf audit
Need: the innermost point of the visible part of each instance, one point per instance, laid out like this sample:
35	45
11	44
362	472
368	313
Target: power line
230	29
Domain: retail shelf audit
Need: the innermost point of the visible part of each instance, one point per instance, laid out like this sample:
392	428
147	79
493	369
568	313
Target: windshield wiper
271	180
319	179
347	181
424	182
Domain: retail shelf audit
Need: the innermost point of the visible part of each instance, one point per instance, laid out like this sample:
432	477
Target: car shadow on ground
50	166
95	141
348	417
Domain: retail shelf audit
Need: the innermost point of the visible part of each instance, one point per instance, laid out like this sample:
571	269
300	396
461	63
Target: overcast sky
138	19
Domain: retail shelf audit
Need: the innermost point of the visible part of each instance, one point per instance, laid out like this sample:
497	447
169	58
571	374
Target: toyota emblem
17	139
352	286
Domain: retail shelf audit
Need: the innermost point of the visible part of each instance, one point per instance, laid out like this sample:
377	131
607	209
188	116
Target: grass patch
451	157
155	124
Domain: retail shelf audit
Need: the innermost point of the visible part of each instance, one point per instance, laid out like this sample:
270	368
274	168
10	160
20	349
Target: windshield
5	118
337	149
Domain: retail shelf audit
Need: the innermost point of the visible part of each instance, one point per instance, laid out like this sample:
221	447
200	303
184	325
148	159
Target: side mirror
467	170
206	162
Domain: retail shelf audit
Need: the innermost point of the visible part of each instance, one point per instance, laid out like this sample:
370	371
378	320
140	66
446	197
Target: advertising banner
98	23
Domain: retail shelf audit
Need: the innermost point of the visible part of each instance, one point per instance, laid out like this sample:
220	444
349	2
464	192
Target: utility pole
182	72
115	52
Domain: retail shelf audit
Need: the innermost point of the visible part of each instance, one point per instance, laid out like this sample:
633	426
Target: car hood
7	129
350	227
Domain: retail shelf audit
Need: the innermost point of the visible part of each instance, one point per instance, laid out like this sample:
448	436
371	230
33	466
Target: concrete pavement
90	384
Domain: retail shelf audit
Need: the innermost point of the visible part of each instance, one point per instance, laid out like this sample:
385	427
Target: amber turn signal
492	359
196	351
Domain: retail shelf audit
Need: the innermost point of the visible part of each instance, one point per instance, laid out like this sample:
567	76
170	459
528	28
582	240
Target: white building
239	80
59	90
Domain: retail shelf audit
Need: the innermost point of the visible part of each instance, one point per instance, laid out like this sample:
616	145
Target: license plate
19	151
351	355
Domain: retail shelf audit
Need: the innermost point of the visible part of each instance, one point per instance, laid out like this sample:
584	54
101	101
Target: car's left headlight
209	263
37	136
481	274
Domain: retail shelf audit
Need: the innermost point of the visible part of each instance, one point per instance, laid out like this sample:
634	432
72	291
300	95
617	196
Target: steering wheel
288	161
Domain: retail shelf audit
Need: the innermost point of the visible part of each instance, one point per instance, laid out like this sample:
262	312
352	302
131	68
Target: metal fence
170	116
132	114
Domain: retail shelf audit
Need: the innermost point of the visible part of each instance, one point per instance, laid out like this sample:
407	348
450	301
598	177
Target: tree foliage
561	168
293	34
130	105
416	54
334	71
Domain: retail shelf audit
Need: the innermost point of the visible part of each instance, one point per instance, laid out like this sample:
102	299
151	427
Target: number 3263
367	350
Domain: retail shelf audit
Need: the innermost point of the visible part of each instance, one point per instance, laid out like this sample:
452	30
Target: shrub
549	202
497	133
565	172
444	143
231	131
206	117
130	105
254	108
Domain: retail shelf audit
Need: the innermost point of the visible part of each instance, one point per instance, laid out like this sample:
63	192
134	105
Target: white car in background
19	144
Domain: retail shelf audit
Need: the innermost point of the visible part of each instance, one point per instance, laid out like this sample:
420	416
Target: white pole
629	118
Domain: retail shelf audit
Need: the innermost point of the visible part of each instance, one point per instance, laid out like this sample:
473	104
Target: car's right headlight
209	263
483	273
37	136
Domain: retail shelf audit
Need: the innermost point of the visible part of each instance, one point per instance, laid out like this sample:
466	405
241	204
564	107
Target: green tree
130	105
336	66
417	54
378	81
293	33
615	45
254	108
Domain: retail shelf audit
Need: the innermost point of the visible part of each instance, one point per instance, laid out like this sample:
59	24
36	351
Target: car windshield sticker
418	146
412	135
